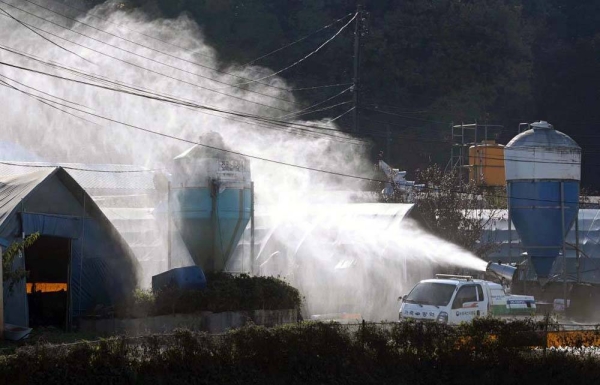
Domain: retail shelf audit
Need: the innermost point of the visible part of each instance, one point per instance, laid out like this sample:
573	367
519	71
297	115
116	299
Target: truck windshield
431	293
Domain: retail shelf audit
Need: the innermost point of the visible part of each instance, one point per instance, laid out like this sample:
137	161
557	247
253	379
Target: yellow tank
486	164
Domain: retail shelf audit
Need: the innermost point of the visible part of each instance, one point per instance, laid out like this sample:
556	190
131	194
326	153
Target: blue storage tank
189	278
210	201
543	170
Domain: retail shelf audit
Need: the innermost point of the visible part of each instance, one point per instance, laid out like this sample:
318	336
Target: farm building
79	261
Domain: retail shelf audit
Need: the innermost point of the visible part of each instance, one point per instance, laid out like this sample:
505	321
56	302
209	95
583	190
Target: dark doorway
47	262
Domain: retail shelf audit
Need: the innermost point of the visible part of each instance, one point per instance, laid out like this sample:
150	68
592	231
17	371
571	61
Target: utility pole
356	81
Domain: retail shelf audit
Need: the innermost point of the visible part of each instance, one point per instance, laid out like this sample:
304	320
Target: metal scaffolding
465	136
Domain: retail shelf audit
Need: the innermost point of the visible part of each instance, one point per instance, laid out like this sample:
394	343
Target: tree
10	275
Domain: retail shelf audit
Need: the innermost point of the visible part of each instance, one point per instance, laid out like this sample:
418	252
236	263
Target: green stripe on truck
502	310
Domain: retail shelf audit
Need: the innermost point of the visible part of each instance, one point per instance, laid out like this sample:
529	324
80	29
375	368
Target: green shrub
141	303
306	353
224	292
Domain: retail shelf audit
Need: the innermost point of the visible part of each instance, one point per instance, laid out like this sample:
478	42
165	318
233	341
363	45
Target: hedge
484	352
224	292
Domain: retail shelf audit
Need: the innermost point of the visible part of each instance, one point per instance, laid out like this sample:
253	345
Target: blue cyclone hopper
211	222
210	201
543	168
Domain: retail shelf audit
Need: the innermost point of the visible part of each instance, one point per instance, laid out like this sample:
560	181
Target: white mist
390	255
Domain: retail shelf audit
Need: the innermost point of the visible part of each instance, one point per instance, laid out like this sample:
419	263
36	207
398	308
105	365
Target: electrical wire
88	13
185	104
320	87
316	104
270	121
323	109
49	103
45	93
149	59
296	41
306	56
163	135
168	54
292	165
312	132
396	136
141	92
258	158
98	78
66	167
339	116
196	106
43	37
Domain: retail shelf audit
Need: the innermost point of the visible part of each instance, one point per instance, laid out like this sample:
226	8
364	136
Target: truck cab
456	299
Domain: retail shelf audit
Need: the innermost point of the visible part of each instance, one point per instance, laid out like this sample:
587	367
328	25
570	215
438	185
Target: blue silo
543	170
210	200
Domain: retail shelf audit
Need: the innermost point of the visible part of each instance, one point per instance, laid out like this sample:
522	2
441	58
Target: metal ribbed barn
80	261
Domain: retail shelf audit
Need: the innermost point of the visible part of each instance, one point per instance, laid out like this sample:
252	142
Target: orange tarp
46	287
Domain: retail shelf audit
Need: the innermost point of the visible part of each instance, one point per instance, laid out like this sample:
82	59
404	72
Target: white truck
454	299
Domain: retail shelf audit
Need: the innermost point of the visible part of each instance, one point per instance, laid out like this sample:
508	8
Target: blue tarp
52	225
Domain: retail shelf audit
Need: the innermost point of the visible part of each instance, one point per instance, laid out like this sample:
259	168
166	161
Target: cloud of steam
381	253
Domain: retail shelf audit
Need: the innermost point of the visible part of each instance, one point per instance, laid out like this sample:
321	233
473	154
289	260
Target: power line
357	177
167	76
174	56
162	64
168	99
269	121
198	53
306	56
149	59
159	51
296	41
45	93
286	163
43	37
316	104
63	165
320	87
323	109
215	148
339	116
49	103
158	97
88	13
188	104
